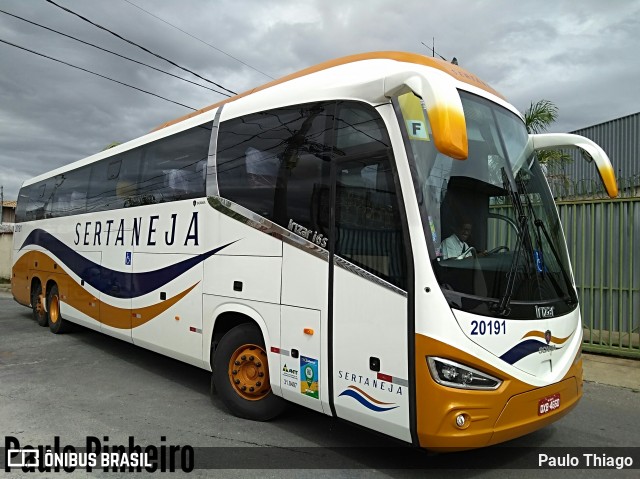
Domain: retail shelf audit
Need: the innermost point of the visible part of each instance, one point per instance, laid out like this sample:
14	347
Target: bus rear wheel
240	375
57	324
39	314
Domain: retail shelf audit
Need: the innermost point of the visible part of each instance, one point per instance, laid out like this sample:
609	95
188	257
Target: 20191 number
495	327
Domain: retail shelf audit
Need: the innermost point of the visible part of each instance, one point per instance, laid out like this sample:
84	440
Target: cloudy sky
582	55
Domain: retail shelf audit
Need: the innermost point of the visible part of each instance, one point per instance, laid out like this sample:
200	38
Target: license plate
548	404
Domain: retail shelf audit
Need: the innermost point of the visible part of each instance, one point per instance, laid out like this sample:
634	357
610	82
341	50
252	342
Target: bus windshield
490	222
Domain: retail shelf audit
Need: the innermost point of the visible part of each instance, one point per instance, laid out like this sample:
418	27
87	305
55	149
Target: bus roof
449	68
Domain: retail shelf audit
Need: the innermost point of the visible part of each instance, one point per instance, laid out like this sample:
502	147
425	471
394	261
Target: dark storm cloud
581	55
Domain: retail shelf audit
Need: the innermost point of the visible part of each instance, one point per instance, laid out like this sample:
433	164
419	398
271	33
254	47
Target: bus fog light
449	373
460	420
452	374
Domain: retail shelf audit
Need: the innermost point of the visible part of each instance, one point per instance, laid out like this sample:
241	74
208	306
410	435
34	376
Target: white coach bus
372	238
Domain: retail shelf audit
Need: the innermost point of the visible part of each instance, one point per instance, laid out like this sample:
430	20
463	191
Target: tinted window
113	181
359	128
368	228
70	193
276	163
169	169
32	201
23	203
175	168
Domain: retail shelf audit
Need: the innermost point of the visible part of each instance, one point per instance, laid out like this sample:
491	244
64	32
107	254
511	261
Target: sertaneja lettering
371	382
144	231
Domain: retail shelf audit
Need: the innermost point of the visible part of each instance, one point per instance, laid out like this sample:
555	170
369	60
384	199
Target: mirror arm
590	152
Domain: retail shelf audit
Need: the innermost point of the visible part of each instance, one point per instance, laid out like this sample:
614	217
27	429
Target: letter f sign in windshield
417	130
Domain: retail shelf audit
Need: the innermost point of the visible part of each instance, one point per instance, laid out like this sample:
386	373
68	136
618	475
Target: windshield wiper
502	308
540	225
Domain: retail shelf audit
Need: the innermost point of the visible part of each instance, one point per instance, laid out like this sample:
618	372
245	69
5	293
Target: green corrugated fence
601	236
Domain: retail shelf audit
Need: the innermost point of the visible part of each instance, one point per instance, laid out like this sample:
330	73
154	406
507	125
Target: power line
139	46
113	53
96	74
196	38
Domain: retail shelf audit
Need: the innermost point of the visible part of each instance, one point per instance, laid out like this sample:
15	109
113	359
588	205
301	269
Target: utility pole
1	203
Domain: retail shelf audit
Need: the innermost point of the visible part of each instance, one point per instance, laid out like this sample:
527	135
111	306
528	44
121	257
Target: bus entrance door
370	368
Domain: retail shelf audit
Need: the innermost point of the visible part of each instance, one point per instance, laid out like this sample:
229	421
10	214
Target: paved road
86	384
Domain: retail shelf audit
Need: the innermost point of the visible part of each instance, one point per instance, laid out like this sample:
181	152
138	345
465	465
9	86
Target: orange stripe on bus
369	397
540	334
85	302
449	68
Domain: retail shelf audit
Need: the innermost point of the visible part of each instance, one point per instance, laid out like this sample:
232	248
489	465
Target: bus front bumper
491	417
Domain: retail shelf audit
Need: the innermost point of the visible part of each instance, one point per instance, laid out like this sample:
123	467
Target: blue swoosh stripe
364	402
119	284
522	350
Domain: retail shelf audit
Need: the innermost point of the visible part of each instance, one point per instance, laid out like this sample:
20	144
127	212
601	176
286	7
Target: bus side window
262	168
103	185
368	230
173	167
272	162
77	202
22	204
244	144
38	199
69	195
113	181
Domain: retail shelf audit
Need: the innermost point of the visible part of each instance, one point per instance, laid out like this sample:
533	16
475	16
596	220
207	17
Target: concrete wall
8	214
6	245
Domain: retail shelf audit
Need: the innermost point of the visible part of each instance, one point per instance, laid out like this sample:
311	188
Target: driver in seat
456	247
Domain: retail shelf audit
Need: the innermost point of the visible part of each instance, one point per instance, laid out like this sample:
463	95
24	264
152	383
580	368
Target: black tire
257	402
38	312
57	324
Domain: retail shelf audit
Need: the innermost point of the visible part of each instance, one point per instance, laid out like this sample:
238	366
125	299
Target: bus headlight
456	375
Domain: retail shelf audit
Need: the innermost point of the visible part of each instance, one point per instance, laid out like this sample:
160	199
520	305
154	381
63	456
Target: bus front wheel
240	375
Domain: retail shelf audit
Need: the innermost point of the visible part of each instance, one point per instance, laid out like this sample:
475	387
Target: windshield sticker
432	227
413	113
537	255
417	130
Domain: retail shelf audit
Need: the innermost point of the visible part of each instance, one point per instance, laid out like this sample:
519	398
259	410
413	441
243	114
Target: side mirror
590	152
444	108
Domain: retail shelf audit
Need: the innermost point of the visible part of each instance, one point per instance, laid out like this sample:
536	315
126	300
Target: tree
540	115
537	118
